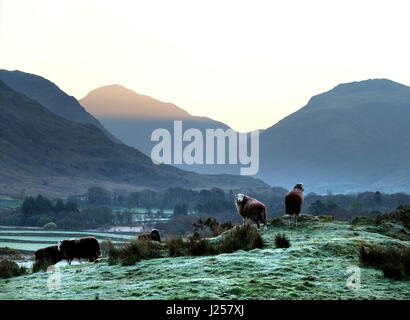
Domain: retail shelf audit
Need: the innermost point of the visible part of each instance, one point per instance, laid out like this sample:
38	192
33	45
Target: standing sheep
250	208
87	248
294	201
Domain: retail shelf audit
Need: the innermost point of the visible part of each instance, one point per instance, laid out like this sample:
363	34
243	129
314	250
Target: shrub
402	214
377	256
6	251
391	261
391	271
245	237
282	241
406	260
43	220
176	246
50	226
10	269
210	227
199	247
133	251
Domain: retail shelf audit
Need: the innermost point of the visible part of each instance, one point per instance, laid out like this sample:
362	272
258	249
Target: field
8	202
314	267
29	240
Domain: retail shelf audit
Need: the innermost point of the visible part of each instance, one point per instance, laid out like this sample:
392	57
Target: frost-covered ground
314	267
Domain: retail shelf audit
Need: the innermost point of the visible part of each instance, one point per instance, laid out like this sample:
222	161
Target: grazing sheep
48	254
154	236
87	248
294	201
250	208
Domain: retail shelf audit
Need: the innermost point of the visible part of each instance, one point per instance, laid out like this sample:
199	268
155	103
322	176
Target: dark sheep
154	236
84	248
48	255
294	201
250	208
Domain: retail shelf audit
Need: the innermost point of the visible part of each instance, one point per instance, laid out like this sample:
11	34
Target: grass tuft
282	241
392	261
132	252
245	237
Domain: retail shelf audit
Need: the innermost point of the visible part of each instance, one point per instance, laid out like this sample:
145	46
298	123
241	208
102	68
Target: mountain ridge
51	96
42	151
347	139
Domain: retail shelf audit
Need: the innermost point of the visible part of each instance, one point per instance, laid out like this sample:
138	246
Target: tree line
40	211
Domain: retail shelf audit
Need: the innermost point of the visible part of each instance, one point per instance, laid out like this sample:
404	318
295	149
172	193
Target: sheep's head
59	243
299	186
155	235
240	197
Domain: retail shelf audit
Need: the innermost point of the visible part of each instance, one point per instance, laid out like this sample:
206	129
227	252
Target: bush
391	261
199	247
245	237
406	260
43	220
402	214
176	246
50	226
133	252
6	251
210	227
282	241
10	269
391	271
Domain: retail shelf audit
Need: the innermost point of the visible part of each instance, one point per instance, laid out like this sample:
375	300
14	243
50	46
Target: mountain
352	138
133	117
50	96
43	152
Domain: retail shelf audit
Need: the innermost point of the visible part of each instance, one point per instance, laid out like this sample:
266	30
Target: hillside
133	117
50	96
314	267
352	138
42	152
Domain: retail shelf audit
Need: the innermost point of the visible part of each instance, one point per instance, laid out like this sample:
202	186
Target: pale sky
245	63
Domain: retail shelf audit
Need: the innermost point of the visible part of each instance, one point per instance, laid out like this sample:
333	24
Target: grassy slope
314	267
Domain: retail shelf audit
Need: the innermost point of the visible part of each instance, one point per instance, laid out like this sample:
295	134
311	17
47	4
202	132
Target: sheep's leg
296	220
257	223
290	220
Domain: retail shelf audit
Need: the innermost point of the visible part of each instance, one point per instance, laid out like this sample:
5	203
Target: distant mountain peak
355	93
370	84
118	101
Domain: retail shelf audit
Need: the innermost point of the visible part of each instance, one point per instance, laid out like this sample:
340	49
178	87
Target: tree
317	208
357	208
378	198
98	195
181	209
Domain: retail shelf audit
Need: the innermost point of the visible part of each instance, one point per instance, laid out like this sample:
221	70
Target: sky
245	63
